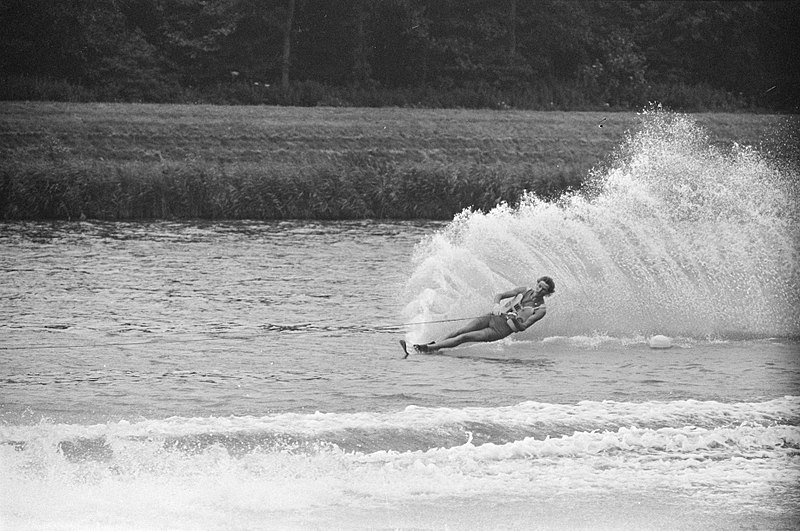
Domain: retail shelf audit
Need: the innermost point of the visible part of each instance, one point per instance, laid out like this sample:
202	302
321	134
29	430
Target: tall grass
124	161
191	190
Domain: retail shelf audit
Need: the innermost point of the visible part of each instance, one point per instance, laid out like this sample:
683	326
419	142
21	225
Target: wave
422	429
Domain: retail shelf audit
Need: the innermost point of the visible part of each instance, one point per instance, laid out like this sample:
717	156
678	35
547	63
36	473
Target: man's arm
510	293
535	316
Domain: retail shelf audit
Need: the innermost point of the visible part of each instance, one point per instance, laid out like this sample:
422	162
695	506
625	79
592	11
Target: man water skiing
526	307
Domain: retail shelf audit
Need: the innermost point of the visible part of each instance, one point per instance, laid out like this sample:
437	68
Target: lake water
248	375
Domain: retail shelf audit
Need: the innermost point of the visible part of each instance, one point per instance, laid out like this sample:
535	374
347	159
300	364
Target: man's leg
484	334
479	323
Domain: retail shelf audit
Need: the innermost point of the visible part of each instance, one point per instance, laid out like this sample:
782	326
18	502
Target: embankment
130	161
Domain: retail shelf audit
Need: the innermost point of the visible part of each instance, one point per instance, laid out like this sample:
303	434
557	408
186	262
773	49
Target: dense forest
535	54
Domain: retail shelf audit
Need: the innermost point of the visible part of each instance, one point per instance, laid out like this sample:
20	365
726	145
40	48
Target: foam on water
674	237
212	471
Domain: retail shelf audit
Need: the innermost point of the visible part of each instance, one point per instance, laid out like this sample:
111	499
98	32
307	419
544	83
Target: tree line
534	54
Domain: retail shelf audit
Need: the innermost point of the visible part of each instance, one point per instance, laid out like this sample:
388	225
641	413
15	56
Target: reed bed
133	161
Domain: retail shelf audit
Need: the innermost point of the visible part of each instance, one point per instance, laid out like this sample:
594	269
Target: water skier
526	307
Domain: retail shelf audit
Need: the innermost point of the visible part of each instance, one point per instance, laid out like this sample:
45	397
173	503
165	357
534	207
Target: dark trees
601	52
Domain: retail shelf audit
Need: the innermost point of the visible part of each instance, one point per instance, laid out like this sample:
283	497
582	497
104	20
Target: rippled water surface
169	318
186	319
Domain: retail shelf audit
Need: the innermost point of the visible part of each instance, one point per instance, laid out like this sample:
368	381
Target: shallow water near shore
248	375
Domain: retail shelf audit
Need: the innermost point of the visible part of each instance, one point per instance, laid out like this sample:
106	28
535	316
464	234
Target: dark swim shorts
500	326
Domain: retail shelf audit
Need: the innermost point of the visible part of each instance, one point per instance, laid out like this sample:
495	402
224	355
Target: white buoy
660	342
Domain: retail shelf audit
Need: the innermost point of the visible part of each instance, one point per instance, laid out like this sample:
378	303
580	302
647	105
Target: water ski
418	349
405	347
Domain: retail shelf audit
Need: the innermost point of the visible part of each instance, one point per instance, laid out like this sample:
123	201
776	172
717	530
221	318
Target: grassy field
131	161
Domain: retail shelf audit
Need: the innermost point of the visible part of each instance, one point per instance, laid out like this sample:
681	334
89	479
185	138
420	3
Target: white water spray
676	237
